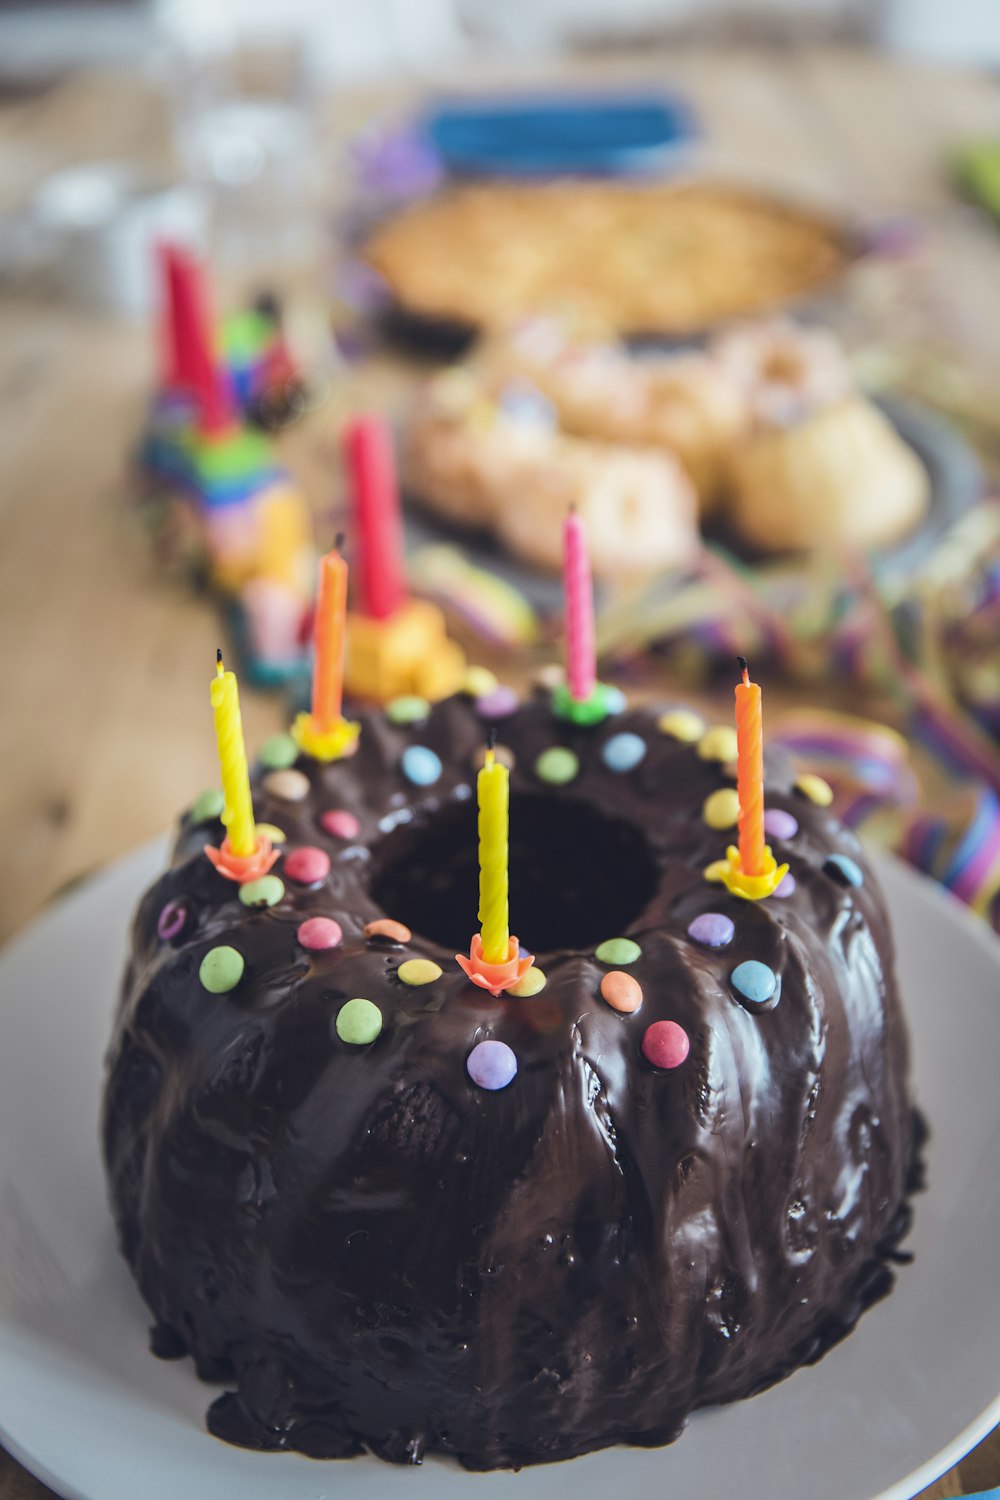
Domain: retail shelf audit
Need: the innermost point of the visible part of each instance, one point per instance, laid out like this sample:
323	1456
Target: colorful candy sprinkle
756	984
718	743
665	1044
532	984
172	921
713	929
339	824
558	766
420	765
787	887
308	865
621	991
721	809
779	824
478	682
417	971
319	933
279	752
615	701
815	788
267	891
407	710
681	724
289	785
623	752
618	951
207	805
844	870
221	970
273	832
498	704
359	1022
385	927
492	1065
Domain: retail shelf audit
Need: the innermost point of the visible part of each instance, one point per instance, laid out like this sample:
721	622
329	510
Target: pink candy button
665	1044
308	866
340	824
317	933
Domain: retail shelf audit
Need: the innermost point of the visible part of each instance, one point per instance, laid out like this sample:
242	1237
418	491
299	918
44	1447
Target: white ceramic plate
84	1405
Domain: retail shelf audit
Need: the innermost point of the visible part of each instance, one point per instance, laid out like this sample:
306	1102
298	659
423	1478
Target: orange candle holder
730	873
408	653
495	977
337	742
243	867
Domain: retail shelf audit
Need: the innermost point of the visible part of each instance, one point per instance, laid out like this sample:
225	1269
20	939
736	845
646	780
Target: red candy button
308	865
340	824
665	1044
317	933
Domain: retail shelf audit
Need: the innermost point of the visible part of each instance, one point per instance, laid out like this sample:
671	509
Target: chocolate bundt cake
678	1170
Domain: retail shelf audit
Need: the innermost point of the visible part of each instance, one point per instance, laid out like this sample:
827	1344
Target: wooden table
103	734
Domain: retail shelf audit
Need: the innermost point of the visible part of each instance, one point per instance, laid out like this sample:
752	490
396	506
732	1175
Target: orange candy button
621	991
385	927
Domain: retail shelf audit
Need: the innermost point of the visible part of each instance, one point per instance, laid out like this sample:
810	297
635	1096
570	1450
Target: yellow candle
238	811
493	787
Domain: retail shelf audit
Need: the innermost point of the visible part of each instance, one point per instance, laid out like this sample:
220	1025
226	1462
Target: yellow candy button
532	982
478	681
718	743
682	724
419	971
716	870
816	789
272	831
722	808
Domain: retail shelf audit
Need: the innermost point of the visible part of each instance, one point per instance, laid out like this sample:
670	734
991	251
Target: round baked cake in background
392	1211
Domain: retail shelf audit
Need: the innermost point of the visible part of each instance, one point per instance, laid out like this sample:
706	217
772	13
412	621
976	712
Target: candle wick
744	668
338	542
219	668
491	738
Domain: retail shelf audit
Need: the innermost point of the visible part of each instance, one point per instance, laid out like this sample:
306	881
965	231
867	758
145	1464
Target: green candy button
267	891
221	970
279	752
207	806
407	710
558	766
618	951
359	1022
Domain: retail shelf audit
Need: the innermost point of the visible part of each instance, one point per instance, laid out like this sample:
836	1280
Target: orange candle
750	773
329	638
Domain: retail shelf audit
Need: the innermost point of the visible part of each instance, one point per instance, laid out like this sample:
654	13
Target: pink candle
581	667
378	530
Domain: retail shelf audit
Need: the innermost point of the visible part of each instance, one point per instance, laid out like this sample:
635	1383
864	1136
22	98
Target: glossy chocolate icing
373	1251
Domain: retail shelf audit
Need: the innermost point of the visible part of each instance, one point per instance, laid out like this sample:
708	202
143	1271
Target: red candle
581	664
750	773
328	636
378	530
193	355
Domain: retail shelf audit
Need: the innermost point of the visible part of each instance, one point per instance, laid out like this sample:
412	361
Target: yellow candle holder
495	977
409	653
325	744
243	867
729	872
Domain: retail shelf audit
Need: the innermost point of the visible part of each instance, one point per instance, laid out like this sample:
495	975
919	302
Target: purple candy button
713	928
779	824
171	921
787	886
492	1065
500	704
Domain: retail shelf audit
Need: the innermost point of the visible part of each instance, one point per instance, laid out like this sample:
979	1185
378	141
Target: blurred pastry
784	371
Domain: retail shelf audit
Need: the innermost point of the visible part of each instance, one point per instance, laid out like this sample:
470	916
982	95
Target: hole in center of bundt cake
576	874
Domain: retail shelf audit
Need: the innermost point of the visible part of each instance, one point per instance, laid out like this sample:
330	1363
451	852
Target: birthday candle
750	773
237	814
378	533
493	788
328	667
581	668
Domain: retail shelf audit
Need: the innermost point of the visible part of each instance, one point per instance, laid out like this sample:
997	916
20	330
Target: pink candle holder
243	867
495	977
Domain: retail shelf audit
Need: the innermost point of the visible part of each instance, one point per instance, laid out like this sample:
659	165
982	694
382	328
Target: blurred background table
104	667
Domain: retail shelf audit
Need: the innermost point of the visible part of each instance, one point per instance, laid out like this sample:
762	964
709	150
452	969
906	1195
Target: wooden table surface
103	730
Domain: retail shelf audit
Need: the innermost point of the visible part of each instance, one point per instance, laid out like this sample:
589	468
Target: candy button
532	984
615	701
844	870
358	1022
478	682
279	752
491	1064
407	710
713	928
718	743
420	765
307	865
290	786
756	984
779	824
681	724
557	766
339	824
503	753
499	704
319	933
206	806
787	886
815	788
721	809
273	832
172	921
618	951
716	870
385	927
267	891
221	970
418	971
621	991
623	752
665	1044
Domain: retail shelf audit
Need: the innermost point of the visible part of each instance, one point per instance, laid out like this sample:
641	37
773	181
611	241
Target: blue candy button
756	984
420	765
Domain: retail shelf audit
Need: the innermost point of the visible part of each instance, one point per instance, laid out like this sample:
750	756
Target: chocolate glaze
376	1253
